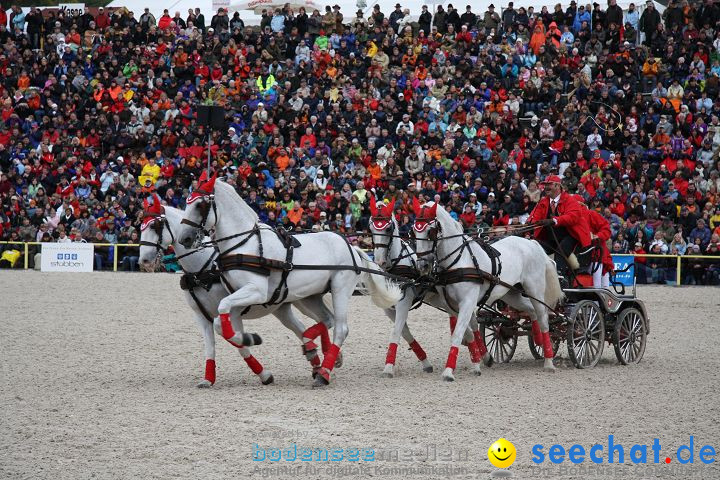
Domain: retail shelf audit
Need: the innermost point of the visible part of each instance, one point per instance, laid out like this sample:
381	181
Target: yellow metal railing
114	246
678	259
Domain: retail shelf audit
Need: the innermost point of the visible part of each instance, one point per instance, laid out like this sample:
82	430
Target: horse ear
416	206
209	186
433	211
390	208
203	177
146	205
157	204
373	206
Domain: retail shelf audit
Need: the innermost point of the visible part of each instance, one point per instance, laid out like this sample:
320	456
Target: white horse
396	256
157	234
464	266
262	270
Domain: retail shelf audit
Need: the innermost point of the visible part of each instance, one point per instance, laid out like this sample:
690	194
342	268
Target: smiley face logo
502	453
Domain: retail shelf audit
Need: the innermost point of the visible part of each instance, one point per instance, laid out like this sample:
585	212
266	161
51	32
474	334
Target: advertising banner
67	257
621	262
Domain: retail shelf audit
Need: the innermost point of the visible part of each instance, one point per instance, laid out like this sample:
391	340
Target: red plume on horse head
153	207
388	209
206	184
416	206
383	211
373	207
429	213
205	187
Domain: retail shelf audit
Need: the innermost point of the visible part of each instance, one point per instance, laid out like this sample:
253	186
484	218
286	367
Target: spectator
324	109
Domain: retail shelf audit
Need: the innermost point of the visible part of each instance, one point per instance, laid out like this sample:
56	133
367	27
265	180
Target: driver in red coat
601	233
562	220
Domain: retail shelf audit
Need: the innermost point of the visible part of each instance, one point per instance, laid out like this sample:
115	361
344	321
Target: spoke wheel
630	336
586	334
500	340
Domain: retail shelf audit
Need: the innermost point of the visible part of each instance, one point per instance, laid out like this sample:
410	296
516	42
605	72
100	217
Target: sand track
99	374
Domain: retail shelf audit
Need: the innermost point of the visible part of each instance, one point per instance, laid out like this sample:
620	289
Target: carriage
589	318
465	272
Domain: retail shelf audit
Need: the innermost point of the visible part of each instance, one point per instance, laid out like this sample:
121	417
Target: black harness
264	266
189	281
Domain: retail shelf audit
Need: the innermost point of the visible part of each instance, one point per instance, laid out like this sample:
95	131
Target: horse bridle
159	224
207	202
384	232
434	229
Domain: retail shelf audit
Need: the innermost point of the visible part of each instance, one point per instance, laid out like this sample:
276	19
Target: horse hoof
251	339
477	372
488	360
339	360
428	369
549	366
448	379
388	375
320	382
448	375
268	380
204	384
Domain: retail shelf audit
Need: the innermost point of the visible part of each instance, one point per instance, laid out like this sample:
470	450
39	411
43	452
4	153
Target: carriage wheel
630	336
586	334
500	340
537	350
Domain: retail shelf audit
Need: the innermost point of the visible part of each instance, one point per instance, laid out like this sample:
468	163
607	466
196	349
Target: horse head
197	219
384	229
425	230
152	240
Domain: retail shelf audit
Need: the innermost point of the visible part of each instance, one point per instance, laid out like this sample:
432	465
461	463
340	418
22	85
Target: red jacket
601	228
570	215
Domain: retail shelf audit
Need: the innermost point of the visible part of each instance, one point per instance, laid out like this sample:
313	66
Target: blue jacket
579	18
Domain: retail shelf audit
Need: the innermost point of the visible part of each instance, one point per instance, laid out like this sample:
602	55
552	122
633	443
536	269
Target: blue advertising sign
621	263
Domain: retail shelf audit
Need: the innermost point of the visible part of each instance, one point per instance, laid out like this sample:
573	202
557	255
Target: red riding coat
570	215
601	228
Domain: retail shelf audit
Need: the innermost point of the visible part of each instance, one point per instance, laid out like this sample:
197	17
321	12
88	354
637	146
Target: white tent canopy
257	6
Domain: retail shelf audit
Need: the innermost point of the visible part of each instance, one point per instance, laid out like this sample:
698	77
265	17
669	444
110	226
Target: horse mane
240	204
449	224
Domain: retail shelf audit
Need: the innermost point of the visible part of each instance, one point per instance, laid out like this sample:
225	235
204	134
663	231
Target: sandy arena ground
99	373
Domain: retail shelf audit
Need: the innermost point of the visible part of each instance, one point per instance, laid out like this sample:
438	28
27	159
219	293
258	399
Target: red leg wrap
391	352
309	346
210	370
315	361
452	358
319	330
254	365
475	356
547	345
453	322
480	342
227	328
329	360
324	338
536	333
419	352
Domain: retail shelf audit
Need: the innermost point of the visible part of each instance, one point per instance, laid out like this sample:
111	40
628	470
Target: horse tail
553	291
384	292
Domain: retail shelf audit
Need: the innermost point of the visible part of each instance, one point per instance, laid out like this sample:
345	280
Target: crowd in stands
328	109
